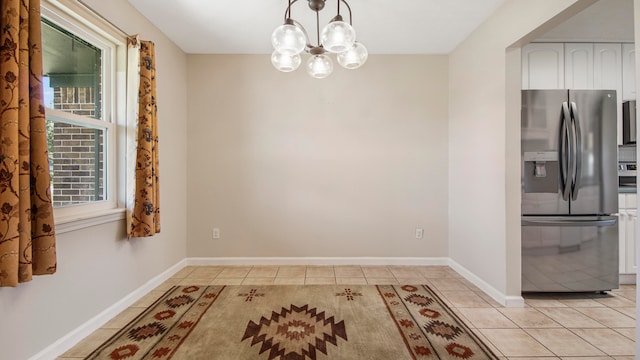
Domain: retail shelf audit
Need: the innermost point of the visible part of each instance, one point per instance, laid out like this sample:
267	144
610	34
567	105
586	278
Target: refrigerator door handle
577	170
550	222
565	151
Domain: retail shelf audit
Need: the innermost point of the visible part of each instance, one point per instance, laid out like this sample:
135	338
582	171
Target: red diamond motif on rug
409	288
124	352
164	314
458	350
190	289
445	330
432	314
420	300
179	301
147	331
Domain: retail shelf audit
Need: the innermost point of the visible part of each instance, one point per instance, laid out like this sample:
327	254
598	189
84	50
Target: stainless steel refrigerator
569	191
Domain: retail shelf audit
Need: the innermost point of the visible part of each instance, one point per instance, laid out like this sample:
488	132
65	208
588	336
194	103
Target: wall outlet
216	233
419	233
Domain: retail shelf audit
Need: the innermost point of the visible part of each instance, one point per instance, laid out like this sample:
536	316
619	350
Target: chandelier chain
317	28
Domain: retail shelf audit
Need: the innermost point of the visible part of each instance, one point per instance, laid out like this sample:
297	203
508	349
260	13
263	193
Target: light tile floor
550	326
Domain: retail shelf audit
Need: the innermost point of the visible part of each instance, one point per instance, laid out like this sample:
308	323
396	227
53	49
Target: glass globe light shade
337	36
288	39
285	63
319	66
354	57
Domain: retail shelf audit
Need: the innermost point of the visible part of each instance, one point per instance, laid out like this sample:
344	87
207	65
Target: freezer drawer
569	254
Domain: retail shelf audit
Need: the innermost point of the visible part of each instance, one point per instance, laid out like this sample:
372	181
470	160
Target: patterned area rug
296	323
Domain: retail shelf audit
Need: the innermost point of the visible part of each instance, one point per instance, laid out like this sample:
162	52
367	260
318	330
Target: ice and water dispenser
541	172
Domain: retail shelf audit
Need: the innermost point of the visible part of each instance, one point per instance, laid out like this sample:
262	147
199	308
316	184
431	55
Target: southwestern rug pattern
296	323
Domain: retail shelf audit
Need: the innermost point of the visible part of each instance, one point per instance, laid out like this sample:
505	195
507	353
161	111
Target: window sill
77	222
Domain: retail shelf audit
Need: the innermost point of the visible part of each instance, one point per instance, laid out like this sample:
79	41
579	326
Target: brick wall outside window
75	170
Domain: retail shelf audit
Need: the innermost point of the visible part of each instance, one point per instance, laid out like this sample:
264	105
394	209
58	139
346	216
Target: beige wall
290	166
97	266
484	194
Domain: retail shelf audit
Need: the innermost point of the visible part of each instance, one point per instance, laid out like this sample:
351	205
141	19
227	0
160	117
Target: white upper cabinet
578	72
543	66
607	67
593	66
580	66
607	74
628	72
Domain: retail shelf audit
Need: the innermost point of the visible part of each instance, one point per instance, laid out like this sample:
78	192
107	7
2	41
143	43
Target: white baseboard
71	339
212	261
501	298
627	279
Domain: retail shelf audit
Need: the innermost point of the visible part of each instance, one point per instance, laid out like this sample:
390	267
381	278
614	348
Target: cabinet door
631	201
630	261
628	72
622	243
622	201
578	71
543	66
607	74
607	66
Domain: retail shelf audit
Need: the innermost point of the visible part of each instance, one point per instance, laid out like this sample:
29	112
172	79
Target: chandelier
290	40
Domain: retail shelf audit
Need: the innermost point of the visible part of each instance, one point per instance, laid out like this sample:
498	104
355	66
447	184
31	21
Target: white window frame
80	21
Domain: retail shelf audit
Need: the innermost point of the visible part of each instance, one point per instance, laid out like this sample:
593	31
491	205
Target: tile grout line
588	342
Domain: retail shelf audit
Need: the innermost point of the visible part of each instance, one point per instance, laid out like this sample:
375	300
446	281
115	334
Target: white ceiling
383	26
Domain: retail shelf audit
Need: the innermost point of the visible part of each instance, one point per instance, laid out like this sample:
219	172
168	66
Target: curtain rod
105	19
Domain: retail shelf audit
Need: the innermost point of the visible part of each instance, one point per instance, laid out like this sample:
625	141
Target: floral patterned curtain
27	236
144	218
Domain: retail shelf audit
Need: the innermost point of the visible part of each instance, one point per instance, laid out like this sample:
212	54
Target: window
73	85
80	63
